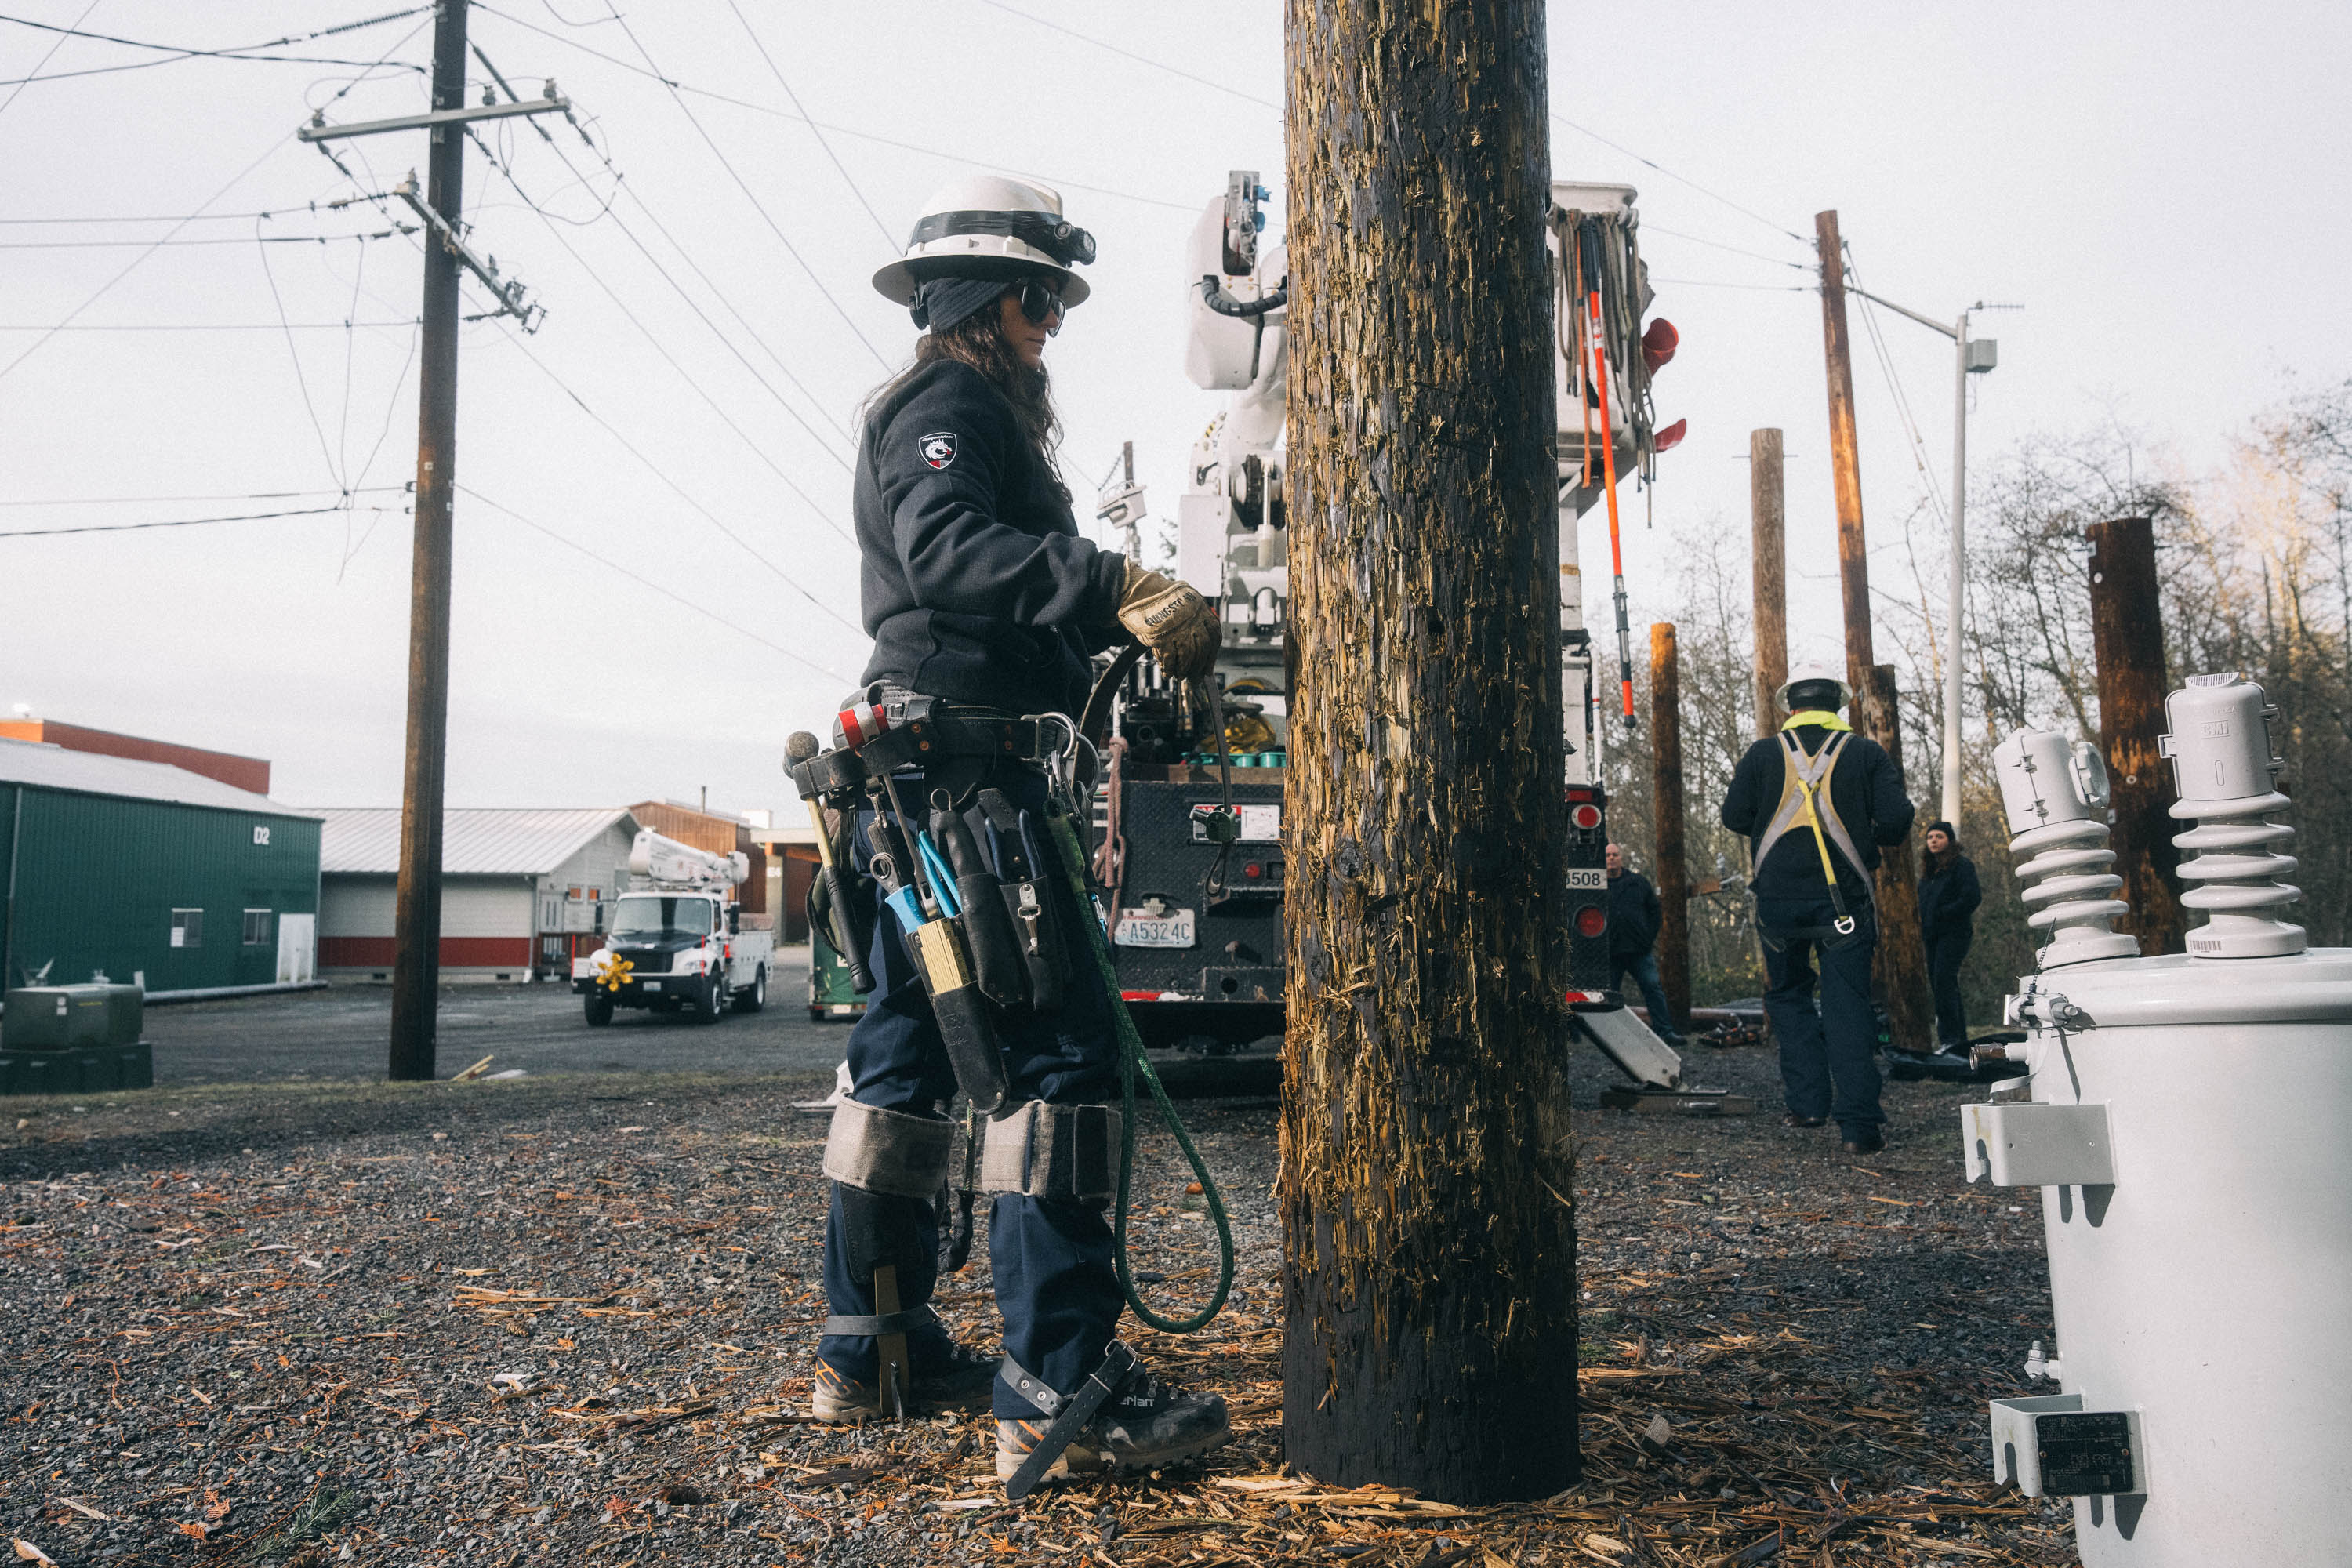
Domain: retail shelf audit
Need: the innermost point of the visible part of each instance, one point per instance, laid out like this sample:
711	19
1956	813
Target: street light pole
1951	812
1969	358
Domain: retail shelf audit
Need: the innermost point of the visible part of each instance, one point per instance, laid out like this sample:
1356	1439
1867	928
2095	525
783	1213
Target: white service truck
676	940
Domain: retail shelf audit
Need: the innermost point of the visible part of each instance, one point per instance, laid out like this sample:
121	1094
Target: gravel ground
568	1318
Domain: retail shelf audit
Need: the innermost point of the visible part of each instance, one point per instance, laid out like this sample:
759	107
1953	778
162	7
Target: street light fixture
1971	356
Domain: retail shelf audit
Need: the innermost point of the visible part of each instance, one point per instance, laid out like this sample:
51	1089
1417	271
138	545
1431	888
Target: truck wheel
754	996
711	1000
598	1010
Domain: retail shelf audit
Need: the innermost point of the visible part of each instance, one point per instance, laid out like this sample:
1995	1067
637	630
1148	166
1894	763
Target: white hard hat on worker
983	229
1814	685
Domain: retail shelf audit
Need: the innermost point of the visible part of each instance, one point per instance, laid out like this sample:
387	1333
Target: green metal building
147	874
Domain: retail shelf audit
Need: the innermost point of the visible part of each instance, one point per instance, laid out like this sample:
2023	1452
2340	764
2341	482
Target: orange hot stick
1609	471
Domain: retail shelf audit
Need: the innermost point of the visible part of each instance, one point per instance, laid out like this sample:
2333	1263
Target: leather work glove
1173	620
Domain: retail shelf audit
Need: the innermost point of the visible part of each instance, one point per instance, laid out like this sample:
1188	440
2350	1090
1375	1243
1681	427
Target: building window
256	928
187	928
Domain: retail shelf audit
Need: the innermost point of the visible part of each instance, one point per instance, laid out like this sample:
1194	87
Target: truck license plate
1586	878
1137	929
648	984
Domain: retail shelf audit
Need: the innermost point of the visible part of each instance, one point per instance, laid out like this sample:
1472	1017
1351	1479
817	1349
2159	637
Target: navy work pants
1829	1060
1947	950
1050	1259
1643	968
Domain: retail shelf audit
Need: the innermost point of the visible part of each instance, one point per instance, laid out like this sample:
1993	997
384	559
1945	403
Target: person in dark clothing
978	590
1949	897
1817	801
1634	917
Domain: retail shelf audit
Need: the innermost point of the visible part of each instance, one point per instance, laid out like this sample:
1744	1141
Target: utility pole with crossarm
416	955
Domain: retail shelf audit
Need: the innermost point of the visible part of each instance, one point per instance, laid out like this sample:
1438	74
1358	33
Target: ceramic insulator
2225	773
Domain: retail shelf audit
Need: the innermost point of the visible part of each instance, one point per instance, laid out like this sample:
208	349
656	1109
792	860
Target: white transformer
2185	1117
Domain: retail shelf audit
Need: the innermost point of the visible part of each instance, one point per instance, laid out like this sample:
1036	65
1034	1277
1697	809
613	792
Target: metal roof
42	765
474	842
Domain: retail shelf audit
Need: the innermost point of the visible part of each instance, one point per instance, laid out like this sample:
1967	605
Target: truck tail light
1591	920
1586	816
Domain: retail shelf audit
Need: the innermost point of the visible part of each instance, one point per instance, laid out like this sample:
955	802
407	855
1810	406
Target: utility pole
1845	462
2127	641
1768	508
416	919
1674	872
1900	964
1429	1288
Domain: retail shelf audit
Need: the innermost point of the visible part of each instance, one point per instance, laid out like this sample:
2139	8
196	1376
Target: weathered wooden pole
1900	964
1430	1332
2127	641
1666	777
1767	510
1845	465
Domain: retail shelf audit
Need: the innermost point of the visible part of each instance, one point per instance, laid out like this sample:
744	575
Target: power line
211	327
851	132
1895	389
189	217
505	169
100	293
75	31
1717	283
47	57
1718	245
846	178
189	500
684	374
1130	54
241	240
672	485
749	194
174	53
645	582
182	523
1694	185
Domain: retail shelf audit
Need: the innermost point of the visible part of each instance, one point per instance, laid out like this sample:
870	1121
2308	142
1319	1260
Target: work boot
1869	1141
948	1376
1147	1423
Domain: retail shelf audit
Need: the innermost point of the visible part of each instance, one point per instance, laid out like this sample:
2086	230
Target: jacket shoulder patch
938	448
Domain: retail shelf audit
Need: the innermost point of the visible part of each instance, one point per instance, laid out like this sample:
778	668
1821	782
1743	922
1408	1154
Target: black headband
1059	238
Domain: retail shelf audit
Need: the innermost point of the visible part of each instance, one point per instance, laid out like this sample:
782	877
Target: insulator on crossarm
2055	795
2226	771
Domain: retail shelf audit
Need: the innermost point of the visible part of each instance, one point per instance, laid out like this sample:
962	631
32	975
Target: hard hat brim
897	282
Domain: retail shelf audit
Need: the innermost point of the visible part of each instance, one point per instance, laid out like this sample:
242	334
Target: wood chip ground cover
569	1320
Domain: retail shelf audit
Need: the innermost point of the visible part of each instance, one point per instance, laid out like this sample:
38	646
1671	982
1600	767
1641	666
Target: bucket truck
1201	958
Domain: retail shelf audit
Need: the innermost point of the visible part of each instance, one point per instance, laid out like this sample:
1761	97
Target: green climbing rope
1131	1062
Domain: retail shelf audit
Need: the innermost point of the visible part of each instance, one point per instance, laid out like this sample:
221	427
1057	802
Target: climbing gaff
1609	471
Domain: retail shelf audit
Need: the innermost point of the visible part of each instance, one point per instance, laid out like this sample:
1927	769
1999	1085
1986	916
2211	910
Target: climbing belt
1132	1063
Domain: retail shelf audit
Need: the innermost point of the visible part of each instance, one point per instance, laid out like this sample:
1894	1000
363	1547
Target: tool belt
970	881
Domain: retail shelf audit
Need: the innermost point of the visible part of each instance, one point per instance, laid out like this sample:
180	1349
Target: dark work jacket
1633	915
1948	898
975	583
1865	789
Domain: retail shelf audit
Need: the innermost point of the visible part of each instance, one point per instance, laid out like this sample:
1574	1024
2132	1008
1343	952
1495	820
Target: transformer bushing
2184	1116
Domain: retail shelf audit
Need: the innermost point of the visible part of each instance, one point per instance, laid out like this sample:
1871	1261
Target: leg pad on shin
879	1151
1040	1151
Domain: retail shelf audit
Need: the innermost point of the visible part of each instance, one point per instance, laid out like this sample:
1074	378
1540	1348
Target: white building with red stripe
521	890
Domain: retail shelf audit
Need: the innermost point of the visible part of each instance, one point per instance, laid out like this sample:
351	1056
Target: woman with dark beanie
1949	897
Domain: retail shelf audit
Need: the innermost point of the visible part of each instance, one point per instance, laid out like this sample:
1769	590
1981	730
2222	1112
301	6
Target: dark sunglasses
1040	300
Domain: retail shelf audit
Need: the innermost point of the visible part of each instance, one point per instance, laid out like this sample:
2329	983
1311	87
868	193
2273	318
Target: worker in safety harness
983	598
1816	801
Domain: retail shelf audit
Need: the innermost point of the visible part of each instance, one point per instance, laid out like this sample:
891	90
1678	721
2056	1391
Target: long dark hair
979	340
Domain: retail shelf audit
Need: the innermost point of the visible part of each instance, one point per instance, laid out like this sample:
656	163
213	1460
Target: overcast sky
2163	188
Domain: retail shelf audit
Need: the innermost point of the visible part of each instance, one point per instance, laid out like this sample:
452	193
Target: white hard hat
1809	671
983	224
